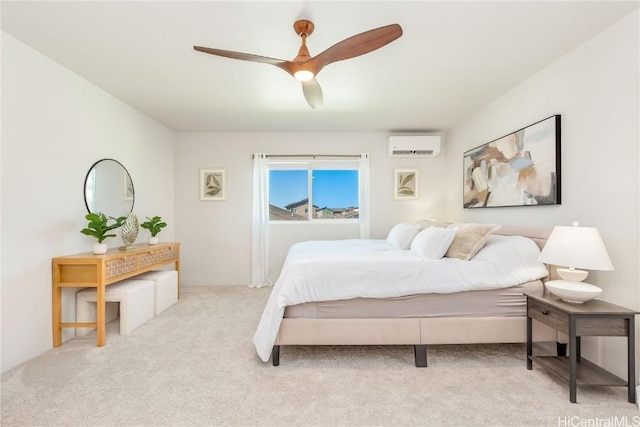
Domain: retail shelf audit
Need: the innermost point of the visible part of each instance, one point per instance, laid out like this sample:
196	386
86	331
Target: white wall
55	125
216	236
596	90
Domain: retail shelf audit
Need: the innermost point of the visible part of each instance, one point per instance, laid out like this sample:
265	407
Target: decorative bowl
573	291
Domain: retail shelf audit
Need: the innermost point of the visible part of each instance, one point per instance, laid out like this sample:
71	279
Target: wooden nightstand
592	318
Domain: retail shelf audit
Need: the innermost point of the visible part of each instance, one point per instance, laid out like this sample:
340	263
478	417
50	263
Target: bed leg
420	352
275	355
561	349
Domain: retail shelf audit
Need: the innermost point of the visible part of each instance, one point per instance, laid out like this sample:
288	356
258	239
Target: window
325	190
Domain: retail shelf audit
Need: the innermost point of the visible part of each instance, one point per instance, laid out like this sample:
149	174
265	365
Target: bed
363	292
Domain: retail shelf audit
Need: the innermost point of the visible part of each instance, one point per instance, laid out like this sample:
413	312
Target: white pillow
433	242
401	235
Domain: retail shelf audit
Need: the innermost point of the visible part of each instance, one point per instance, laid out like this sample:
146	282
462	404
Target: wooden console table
98	271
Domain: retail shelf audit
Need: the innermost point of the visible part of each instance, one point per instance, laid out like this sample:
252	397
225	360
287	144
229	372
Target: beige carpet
195	366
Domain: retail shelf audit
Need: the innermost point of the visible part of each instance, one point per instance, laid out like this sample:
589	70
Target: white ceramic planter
99	248
153	240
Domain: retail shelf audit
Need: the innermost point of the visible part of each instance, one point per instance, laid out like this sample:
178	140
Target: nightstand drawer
550	316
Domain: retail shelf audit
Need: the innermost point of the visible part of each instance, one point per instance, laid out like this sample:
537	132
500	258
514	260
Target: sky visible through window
331	188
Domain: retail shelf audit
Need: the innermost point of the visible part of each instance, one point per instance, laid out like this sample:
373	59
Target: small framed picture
213	185
127	189
405	184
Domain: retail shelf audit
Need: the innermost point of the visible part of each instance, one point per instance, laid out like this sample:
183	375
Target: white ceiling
453	58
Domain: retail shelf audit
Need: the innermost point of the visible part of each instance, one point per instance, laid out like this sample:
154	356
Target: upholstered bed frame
418	332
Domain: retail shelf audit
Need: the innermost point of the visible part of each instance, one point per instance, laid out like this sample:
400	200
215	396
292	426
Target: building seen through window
313	194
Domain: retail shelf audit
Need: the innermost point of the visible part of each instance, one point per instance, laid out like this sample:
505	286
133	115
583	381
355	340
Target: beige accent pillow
426	223
469	239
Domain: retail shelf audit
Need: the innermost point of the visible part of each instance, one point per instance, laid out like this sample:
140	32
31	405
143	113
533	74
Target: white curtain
365	196
260	222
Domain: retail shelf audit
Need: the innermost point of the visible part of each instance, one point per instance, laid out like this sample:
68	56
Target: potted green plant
98	227
154	225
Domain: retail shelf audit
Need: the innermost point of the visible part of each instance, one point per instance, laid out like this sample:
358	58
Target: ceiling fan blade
312	93
355	46
303	66
281	63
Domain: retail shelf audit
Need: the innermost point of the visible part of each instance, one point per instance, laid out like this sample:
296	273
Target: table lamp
575	247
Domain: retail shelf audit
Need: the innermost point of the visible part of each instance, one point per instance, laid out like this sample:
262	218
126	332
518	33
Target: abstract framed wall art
519	169
405	184
213	185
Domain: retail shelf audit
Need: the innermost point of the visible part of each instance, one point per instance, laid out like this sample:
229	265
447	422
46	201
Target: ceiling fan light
303	75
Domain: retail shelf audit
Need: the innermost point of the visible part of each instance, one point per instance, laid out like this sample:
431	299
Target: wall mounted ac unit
414	145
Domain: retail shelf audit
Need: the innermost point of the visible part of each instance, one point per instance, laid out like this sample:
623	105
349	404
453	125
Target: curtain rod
313	156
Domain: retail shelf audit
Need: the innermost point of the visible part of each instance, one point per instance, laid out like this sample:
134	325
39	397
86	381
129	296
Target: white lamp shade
576	247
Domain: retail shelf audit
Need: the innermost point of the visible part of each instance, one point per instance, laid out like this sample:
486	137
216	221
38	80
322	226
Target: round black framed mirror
108	189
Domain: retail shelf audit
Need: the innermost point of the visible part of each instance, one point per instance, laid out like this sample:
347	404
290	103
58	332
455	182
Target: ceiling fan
305	68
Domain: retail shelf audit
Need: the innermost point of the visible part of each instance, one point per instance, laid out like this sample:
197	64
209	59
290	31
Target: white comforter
344	269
